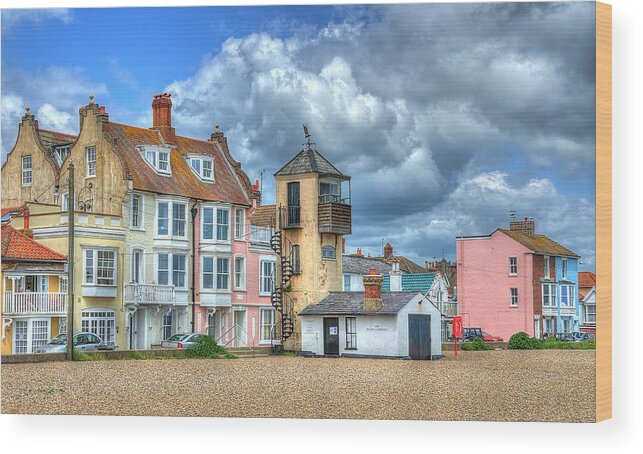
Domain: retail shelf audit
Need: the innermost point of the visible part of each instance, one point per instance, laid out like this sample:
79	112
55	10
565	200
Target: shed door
331	336
419	336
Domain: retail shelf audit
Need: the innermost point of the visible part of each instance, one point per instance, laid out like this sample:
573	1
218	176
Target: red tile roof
17	246
230	183
263	215
586	279
540	244
8	210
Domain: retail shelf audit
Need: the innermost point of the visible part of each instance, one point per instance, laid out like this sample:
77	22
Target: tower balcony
334	216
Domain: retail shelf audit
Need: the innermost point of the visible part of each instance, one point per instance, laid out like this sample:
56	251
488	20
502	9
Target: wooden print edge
603	384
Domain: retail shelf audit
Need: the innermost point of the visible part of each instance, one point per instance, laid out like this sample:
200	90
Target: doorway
419	336
331	336
240	329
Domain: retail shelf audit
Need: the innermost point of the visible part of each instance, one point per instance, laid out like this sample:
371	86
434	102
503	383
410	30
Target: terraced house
169	220
34	289
517	280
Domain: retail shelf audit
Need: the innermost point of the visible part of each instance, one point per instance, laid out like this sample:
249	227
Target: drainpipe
193	211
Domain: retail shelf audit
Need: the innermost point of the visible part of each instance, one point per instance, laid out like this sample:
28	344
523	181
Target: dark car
469	334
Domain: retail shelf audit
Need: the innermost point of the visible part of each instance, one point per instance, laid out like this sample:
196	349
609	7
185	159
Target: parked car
185	340
490	338
83	341
565	337
581	336
468	334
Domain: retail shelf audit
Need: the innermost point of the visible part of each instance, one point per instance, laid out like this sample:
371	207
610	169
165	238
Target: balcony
35	303
448	309
334	217
149	294
260	235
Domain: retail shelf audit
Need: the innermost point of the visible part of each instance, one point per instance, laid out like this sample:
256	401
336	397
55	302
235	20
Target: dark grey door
419	336
331	336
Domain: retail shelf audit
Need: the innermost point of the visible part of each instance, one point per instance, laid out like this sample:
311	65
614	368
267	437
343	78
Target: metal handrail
236	337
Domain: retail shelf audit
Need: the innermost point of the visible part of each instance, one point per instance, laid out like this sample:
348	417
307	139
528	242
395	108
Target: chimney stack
388	251
373	291
359	252
162	116
526	226
395	276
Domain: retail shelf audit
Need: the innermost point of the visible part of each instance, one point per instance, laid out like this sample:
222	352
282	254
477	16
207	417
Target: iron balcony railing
149	294
24	303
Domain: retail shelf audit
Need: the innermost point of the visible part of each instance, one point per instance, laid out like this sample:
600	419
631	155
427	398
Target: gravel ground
502	385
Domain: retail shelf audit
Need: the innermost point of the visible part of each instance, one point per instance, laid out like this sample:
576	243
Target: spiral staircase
279	296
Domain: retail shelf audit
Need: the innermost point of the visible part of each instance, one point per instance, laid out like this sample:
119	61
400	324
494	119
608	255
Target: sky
446	116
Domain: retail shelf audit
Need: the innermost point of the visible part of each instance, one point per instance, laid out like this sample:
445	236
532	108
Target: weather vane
308	143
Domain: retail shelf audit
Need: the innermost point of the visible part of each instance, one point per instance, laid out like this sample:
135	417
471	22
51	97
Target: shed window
328	252
351	333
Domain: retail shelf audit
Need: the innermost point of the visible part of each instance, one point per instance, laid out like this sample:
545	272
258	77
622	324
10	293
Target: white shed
373	324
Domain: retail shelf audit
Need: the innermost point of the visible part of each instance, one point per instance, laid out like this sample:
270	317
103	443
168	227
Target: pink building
516	280
234	306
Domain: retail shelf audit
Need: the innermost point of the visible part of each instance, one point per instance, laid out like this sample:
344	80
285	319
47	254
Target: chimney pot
388	251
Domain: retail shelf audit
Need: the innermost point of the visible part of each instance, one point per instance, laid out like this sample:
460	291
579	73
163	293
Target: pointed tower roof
309	160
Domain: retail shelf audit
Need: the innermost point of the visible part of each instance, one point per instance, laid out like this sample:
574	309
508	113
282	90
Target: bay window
215	273
171	269
549	295
220	230
100	267
177	221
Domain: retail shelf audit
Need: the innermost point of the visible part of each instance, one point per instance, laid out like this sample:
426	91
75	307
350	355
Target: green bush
476	345
206	347
522	341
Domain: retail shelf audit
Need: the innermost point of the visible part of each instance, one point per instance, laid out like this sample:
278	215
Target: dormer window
158	158
203	166
61	153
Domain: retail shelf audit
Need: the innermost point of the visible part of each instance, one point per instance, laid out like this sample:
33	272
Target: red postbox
457	333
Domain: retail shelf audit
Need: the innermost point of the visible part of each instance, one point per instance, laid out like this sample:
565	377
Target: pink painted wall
484	285
248	299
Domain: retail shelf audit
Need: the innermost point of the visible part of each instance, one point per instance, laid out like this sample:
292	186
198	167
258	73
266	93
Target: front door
331	336
419	336
240	329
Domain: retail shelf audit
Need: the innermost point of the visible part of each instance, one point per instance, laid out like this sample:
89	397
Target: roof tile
17	246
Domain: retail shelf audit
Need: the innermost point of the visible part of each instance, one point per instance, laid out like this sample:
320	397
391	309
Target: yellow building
314	214
98	268
34	289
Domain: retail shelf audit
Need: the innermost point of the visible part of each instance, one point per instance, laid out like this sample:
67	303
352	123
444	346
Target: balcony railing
149	294
260	235
25	303
448	308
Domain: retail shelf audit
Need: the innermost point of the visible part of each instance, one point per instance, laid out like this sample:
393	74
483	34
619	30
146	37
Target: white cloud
12	17
51	118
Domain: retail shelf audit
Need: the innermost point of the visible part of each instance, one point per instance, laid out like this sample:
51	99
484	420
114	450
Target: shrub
476	345
522	341
206	347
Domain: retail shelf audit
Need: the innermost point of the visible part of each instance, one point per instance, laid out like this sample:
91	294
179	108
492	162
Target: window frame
213	227
90	170
139	212
513	266
295	256
563	268
102	323
27	171
513	297
94	266
239	273
215	273
225	274
267	278
552	295
547	267
200	172
351	333
272	320
152	155
328	247
347	280
239	224
170	219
